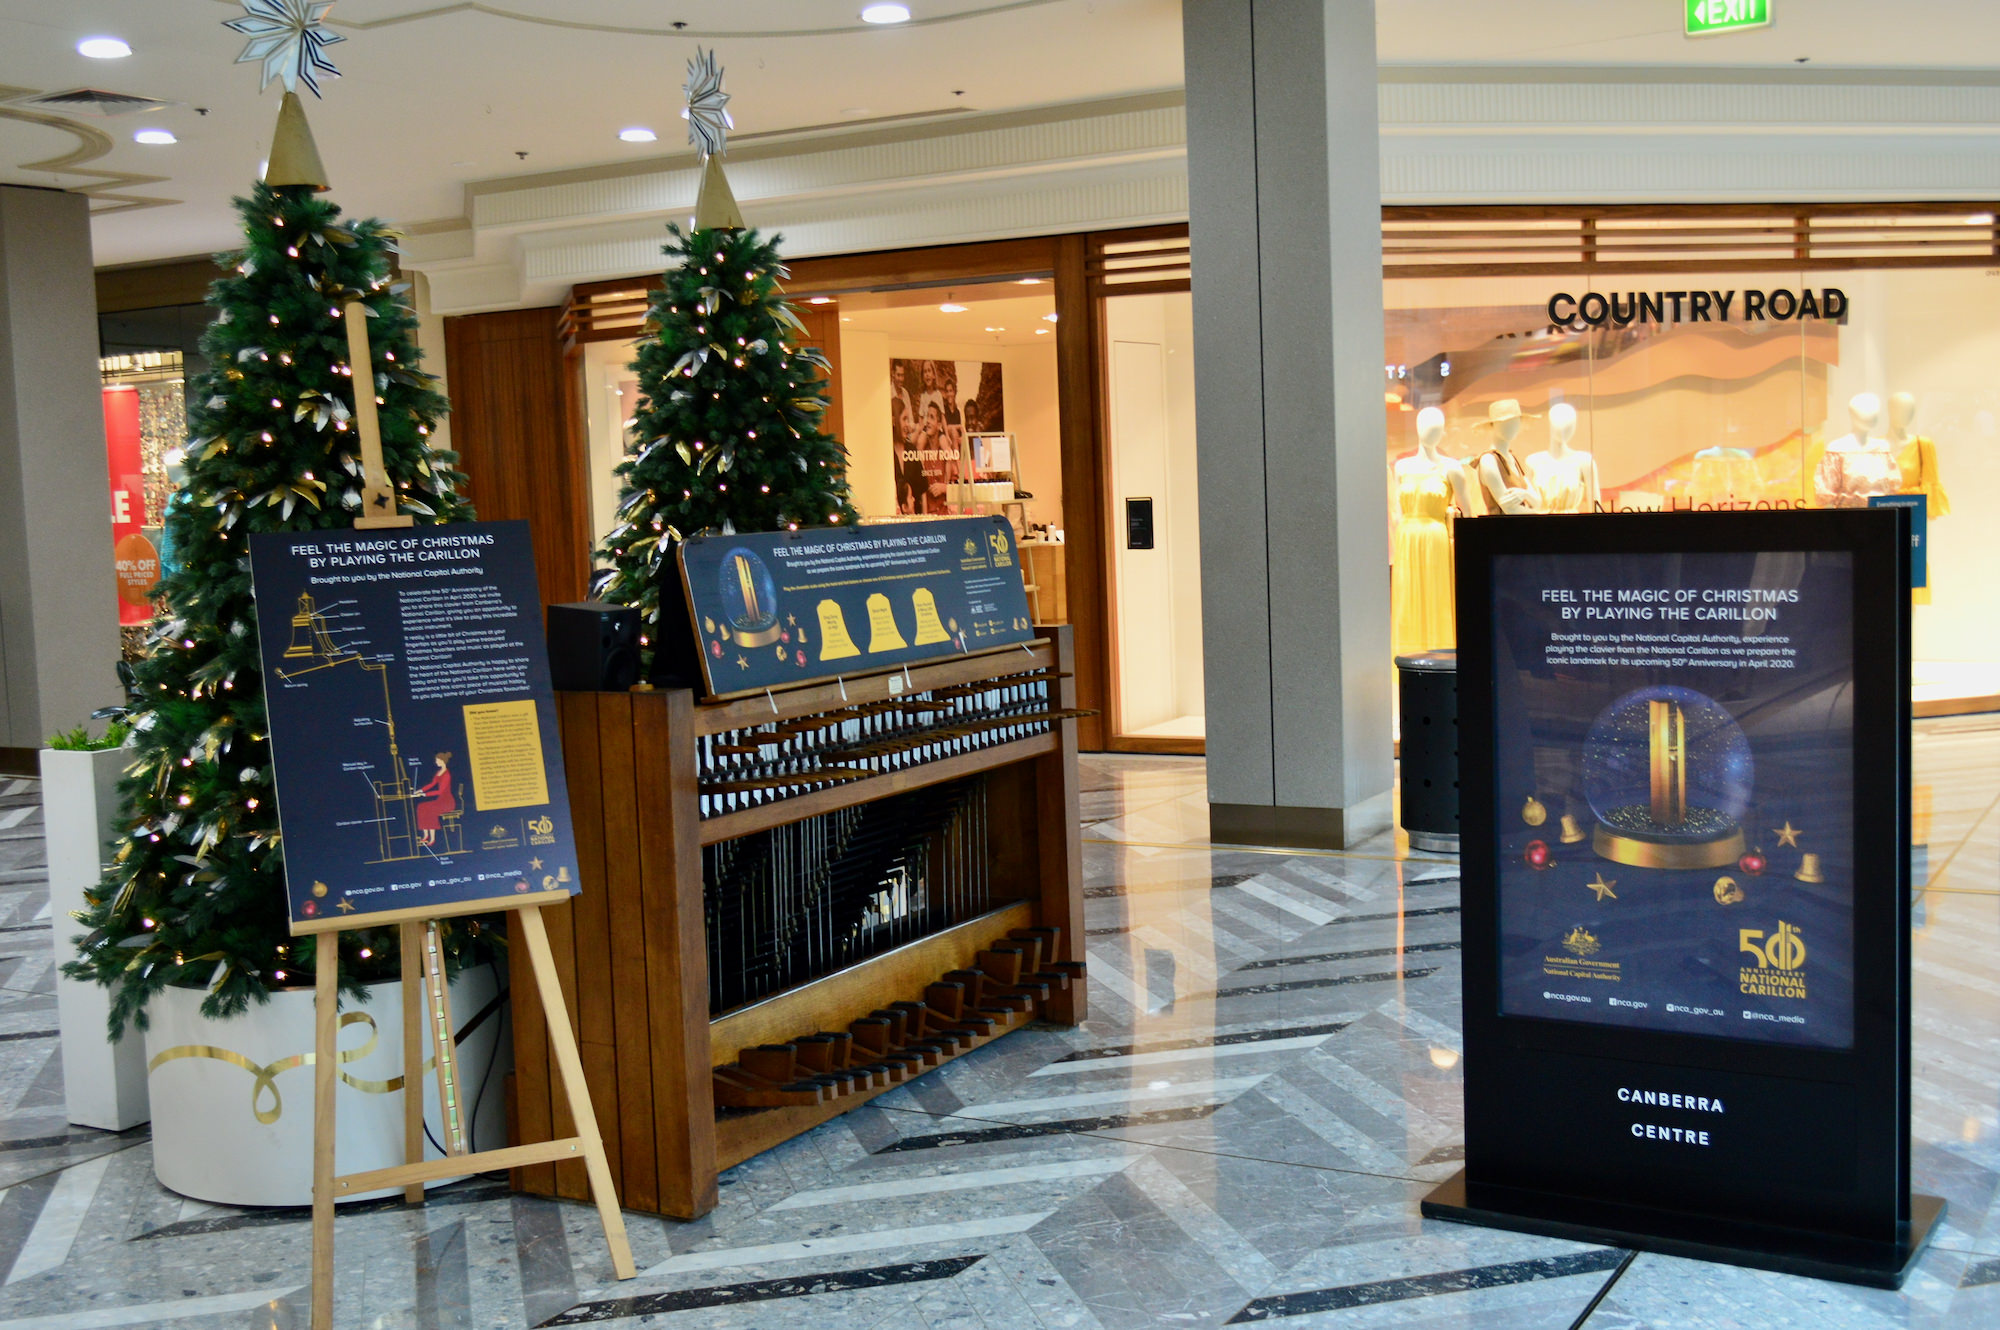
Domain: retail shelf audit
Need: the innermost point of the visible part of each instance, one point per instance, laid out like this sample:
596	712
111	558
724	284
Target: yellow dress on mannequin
1423	616
1917	460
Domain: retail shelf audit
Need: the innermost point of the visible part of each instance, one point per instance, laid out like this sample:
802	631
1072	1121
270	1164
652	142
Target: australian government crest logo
1581	957
1579	941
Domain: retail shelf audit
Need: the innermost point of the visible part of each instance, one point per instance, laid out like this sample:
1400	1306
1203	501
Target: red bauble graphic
784	637
715	649
802	657
1537	853
311	908
1753	862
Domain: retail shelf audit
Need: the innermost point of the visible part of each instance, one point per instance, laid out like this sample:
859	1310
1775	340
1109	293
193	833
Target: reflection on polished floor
1241	1132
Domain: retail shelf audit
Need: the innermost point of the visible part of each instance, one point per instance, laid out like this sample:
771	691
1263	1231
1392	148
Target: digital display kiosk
1684	774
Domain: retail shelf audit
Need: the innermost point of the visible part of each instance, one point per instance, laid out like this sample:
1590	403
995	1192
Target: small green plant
79	740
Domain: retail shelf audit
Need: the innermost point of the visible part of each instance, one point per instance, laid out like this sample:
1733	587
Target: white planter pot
233	1100
104	1084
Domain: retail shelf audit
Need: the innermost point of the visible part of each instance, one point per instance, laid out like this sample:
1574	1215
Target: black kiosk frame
1688	1128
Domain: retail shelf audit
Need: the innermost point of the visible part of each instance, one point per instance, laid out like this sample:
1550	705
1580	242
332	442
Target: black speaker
593	647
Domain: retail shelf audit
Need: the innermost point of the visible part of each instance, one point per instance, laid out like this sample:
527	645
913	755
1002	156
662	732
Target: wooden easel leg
326	1024
437	1001
562	1042
412	942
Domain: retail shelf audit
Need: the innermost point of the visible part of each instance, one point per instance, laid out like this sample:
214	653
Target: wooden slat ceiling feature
611	311
1502	242
1138	262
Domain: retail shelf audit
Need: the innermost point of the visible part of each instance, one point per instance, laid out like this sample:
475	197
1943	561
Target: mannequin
1430	489
1564	479
1503	486
1916	456
1859	463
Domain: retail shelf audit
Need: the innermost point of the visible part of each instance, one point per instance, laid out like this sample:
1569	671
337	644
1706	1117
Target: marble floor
1267	1085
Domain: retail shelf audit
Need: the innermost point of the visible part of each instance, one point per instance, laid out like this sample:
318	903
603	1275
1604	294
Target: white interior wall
605	413
864	411
1156	594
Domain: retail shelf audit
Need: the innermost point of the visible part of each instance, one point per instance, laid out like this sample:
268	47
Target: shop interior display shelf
793	902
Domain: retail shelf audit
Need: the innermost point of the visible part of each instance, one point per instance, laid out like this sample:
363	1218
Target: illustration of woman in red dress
436	800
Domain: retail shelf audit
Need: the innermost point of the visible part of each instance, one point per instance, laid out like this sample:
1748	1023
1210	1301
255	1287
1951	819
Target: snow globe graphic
750	599
1668	774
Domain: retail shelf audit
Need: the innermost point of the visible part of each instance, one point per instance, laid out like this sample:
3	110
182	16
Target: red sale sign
138	563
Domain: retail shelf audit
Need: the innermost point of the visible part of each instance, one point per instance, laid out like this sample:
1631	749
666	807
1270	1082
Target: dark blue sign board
1685	821
782	608
1918	506
414	736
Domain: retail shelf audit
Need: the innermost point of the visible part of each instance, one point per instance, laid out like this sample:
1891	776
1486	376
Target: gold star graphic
1788	834
346	905
534	863
742	664
1603	888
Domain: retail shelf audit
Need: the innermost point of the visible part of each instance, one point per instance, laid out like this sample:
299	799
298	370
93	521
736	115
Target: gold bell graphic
1809	870
1571	832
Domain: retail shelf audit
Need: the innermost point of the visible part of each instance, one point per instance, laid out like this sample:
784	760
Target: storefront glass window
1681	390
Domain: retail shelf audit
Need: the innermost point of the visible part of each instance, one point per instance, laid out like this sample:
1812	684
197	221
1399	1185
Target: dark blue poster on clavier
413	730
777	609
1675	785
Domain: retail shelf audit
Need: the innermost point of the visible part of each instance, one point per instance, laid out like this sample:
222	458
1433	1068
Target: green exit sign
1708	16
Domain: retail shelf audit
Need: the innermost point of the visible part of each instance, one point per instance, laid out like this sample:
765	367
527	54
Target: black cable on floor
1616	1275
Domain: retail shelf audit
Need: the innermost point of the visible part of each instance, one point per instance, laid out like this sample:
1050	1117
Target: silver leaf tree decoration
707	111
289	39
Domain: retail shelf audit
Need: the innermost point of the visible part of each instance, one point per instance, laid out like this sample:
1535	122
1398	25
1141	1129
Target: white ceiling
989	318
440	94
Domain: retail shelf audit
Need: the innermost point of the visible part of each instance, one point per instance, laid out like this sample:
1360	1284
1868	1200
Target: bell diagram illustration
413	819
1668	773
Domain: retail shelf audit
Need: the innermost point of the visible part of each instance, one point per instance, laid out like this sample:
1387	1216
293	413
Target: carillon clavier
836	887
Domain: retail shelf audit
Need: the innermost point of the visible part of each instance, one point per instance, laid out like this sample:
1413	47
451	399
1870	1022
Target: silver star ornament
288	37
707	110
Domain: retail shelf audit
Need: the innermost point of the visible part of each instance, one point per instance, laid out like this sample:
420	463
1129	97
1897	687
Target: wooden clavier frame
631	950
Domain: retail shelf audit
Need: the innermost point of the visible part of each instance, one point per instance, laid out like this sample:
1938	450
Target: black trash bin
1427	695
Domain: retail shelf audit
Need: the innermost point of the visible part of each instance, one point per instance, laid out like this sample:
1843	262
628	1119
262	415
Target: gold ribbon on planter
266	1077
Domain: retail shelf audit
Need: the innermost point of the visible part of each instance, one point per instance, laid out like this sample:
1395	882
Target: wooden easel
425	1000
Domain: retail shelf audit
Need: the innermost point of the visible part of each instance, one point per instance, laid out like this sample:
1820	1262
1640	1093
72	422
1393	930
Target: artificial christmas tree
195	896
729	424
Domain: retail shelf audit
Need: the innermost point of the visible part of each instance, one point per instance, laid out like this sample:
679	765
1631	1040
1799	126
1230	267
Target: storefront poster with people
934	405
1676	791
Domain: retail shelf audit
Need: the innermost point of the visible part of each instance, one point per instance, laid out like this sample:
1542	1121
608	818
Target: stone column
58	597
1285	200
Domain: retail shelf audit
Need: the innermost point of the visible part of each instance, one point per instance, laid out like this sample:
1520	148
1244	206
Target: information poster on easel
413	729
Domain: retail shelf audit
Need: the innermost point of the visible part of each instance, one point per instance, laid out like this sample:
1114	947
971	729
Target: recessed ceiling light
155	136
845	319
1029	281
103	48
992	329
951	307
1041	332
820	300
1048	318
638	134
886	14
